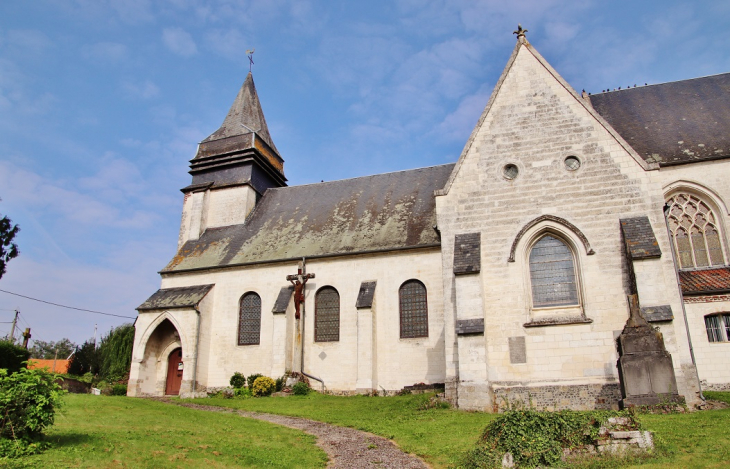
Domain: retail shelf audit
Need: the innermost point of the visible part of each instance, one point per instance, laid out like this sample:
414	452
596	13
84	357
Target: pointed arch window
327	315
695	232
249	319
413	310
552	273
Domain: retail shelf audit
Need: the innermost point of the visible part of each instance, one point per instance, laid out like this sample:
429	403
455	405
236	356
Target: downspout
304	322
197	343
681	300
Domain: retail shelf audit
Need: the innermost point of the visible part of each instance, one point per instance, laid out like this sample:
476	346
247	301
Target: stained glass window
695	233
249	322
552	274
327	315
413	310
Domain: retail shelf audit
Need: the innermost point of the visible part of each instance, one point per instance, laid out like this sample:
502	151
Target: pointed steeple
241	151
245	116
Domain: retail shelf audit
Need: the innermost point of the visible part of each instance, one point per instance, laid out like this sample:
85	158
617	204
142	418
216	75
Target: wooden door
174	373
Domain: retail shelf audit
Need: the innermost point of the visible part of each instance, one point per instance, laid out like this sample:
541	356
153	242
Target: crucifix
299	280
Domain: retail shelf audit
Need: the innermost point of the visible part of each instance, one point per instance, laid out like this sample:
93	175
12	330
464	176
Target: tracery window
718	327
249	320
413	310
695	232
327	315
552	274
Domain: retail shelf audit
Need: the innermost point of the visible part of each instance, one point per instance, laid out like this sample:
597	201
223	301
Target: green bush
263	386
250	380
119	390
242	393
237	380
280	383
12	357
537	438
28	403
301	388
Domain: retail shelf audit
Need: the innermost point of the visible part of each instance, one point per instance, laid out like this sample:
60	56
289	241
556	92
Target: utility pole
12	330
94	336
26	336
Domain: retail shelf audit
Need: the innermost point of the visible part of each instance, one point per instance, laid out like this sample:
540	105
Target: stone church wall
535	121
394	362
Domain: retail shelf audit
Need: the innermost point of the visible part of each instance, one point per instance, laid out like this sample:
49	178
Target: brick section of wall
467	253
639	238
578	397
706	298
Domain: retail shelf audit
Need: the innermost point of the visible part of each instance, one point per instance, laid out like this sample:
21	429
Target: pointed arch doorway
174	372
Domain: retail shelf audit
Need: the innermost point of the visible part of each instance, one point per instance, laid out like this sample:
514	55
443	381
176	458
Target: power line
67	307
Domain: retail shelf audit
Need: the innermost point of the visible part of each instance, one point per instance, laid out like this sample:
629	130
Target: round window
510	171
572	163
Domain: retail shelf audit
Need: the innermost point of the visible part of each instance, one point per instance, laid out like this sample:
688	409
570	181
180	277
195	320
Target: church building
575	256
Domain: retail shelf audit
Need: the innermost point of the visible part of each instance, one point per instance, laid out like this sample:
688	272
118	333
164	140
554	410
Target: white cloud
458	125
141	90
229	43
179	42
28	40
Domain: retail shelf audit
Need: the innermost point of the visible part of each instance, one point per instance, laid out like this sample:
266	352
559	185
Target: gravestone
645	367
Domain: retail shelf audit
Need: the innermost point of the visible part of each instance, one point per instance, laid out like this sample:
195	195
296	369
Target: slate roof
244	117
705	281
366	295
373	213
183	297
672	123
639	238
282	300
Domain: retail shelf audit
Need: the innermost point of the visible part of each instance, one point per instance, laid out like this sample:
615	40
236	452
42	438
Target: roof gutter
289	259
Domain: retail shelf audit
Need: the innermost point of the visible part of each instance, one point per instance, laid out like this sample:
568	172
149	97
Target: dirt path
346	447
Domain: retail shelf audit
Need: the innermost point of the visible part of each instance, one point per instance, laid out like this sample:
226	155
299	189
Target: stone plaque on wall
517	350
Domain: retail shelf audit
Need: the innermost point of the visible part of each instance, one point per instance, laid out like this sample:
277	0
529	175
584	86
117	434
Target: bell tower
232	169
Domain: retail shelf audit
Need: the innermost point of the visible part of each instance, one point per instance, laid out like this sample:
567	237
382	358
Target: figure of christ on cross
299	280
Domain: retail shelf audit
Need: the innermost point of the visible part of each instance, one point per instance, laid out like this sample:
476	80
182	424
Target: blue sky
102	104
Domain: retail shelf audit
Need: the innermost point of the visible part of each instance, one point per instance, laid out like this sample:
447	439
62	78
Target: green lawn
693	440
106	432
437	435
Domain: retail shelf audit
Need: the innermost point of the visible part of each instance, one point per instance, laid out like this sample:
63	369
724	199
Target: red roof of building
60	366
705	281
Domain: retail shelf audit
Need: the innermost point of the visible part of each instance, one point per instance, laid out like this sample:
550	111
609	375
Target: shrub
250	380
536	438
28	402
119	390
280	383
12	357
263	386
242	393
301	388
237	380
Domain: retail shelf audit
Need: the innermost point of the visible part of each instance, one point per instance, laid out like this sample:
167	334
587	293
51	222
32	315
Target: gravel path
346	447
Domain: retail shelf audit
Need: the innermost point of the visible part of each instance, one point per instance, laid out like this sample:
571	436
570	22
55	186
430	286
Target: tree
115	353
85	360
8	249
12	357
47	350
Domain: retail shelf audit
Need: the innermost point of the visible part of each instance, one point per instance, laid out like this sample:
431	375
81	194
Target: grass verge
441	436
101	431
437	435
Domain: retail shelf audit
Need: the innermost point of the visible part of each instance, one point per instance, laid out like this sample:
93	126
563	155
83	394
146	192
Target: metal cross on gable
299	280
249	54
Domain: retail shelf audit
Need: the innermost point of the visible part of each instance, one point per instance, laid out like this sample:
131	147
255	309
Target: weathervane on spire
520	32
249	54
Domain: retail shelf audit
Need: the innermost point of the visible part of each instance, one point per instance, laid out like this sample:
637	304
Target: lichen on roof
381	212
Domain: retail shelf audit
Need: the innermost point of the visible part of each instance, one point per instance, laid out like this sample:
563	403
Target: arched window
552	274
718	327
327	315
695	232
249	320
413	310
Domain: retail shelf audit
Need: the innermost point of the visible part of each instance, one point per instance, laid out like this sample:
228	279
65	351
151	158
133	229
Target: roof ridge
361	177
662	83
